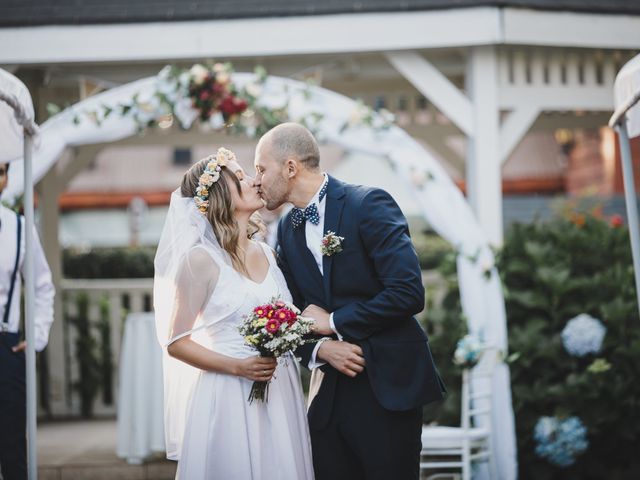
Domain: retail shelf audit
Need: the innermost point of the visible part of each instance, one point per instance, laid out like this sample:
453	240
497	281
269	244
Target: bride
209	274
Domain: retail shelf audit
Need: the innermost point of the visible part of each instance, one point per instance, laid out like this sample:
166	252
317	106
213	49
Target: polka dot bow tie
299	215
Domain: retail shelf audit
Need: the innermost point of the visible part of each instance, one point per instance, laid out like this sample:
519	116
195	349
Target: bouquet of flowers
468	351
274	329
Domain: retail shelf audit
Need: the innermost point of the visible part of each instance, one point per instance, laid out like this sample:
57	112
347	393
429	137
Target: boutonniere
331	244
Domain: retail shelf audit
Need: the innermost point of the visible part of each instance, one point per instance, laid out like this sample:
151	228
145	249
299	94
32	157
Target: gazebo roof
71	12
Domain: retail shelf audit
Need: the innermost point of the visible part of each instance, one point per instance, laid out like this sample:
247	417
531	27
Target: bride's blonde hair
220	210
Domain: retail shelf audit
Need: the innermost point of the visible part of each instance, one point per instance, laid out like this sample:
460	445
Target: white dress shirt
313	236
43	311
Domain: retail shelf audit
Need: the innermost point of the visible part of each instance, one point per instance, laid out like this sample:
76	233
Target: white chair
458	448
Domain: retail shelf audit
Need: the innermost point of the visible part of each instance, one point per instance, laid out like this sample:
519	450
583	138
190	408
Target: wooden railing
94	316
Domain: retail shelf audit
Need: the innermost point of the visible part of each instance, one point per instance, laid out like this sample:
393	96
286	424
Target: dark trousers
13	410
365	441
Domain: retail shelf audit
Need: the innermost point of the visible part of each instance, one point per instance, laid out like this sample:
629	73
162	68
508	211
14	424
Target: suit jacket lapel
306	256
332	215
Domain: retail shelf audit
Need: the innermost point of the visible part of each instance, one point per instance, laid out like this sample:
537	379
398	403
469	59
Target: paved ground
87	450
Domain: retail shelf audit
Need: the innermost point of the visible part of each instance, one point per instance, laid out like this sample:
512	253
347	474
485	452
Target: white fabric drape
140	399
626	88
16	109
441	202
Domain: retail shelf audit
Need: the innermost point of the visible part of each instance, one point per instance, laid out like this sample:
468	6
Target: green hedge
138	262
552	272
109	263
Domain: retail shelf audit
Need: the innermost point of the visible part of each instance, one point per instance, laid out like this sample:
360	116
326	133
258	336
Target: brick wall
594	163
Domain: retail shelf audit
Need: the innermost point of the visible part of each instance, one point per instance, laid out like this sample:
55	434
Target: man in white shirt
13	463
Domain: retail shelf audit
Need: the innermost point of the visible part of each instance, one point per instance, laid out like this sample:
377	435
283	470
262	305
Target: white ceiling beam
570	29
515	127
315	34
349	33
431	83
557	98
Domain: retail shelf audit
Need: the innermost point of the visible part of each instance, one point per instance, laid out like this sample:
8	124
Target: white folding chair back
456	449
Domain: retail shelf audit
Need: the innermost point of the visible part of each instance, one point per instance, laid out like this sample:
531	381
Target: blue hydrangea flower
468	351
583	335
560	441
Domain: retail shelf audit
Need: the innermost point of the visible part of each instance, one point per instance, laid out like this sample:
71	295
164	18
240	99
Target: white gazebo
495	72
439	199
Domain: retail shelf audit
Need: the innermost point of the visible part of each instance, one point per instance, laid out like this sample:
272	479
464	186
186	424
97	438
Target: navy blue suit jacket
373	287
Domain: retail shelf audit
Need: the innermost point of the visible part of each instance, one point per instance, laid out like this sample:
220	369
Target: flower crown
211	175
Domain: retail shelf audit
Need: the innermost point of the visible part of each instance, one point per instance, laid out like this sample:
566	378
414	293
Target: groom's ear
292	167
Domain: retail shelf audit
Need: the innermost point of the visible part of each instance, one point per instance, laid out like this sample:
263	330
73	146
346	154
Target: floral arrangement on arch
205	95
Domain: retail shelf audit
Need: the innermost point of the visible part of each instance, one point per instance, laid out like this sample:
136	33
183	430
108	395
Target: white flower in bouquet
185	113
419	177
583	335
183	81
383	119
254	89
148	107
198	73
167	85
468	351
216	121
358	114
223	77
219	67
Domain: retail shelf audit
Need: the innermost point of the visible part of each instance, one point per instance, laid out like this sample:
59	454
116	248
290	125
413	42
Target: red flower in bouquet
272	326
261	311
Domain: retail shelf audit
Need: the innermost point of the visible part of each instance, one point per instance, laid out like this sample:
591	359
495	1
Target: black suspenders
7	308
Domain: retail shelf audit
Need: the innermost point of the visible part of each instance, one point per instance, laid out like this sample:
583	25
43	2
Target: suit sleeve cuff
314	362
333	327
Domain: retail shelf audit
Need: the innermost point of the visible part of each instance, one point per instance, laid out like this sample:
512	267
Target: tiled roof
80	12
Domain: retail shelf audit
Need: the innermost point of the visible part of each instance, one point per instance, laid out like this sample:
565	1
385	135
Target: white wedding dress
226	437
211	429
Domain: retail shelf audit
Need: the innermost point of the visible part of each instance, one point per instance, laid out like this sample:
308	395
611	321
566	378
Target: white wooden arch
441	202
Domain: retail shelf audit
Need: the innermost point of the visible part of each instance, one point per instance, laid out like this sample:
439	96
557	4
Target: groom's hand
345	357
321	325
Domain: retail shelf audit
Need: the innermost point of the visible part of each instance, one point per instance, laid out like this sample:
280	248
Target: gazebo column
476	114
50	188
483	173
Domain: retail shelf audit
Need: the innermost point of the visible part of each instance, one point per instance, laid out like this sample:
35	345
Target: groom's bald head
292	141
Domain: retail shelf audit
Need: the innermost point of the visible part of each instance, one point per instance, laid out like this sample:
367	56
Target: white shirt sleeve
44	290
314	362
333	327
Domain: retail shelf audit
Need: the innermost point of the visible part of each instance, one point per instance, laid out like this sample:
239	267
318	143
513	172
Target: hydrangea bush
560	441
583	335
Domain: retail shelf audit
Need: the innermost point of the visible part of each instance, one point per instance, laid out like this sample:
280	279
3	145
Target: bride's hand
256	368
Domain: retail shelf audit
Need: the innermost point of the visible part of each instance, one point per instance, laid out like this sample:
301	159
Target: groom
362	291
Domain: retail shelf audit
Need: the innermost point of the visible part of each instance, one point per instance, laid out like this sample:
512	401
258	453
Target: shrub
109	263
554	272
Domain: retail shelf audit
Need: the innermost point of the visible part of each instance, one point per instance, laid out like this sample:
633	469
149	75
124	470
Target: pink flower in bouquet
261	311
272	326
282	315
285	315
